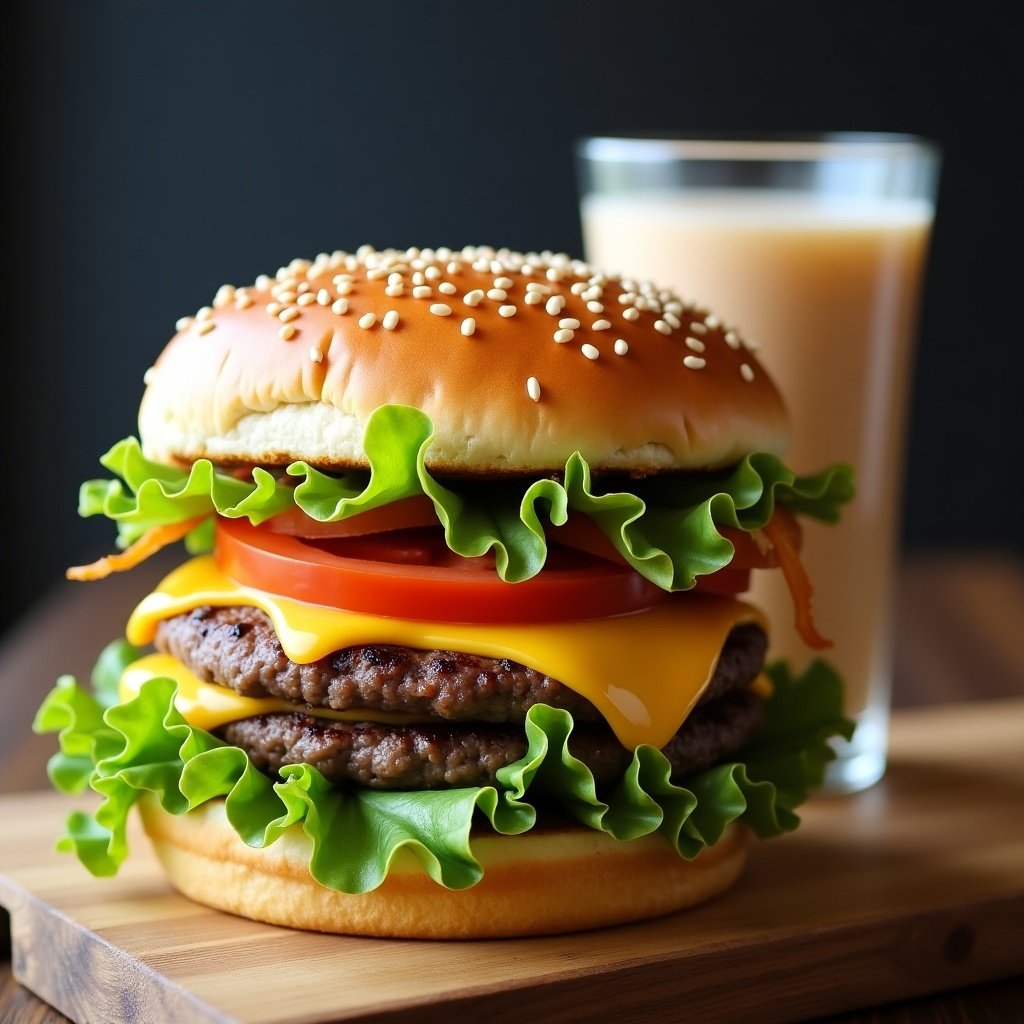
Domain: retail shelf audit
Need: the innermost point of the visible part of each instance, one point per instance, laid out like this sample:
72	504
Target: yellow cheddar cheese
643	671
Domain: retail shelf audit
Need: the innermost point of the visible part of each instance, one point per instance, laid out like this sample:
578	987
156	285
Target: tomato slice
397	515
752	550
728	581
412	574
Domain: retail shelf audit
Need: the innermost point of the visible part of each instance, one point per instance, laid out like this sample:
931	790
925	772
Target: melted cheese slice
644	671
209	706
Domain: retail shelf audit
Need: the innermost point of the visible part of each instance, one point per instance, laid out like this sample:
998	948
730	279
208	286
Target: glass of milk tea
814	247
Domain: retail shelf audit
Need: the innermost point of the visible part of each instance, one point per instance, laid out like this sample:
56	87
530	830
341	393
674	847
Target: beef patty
237	647
476	704
426	756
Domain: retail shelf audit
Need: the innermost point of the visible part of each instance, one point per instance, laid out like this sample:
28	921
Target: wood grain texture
912	887
958	638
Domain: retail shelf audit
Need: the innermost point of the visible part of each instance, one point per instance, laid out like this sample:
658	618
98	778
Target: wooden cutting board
912	887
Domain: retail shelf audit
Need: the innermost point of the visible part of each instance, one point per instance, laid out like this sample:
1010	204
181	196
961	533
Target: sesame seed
533	298
422	291
595	307
672	320
440	309
537	286
554	273
695	344
732	339
306	298
375	273
498	294
698	327
506	311
627	299
273	308
712	321
323	297
563	336
418	278
631	314
454	267
750	345
533	388
579	287
205	313
263	282
503	282
288	313
344	287
285	295
149	376
600	325
746	372
621	347
447	288
589	351
390	320
315	354
225	294
395	279
184	323
474	297
554	304
694	362
394	290
468	327
432	273
303	288
288	332
340	306
571	322
206	326
367	320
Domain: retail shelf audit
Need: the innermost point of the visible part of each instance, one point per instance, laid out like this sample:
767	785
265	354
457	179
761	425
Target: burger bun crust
560	358
542	882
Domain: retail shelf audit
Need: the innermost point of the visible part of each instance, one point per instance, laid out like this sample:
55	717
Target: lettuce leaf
667	528
145	746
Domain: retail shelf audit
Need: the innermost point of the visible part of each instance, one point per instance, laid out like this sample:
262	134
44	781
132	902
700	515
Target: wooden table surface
960	637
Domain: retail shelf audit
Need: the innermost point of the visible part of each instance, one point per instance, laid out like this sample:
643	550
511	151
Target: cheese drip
209	706
644	671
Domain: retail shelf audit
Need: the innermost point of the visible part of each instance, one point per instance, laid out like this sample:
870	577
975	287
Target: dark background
156	151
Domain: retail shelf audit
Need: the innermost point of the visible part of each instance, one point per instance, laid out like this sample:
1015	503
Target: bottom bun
542	882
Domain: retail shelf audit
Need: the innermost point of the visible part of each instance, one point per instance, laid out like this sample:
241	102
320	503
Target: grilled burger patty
237	647
429	756
476	704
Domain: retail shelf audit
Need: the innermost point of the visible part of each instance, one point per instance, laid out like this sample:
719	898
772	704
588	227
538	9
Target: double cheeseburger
460	651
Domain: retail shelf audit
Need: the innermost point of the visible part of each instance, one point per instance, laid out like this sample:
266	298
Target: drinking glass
814	247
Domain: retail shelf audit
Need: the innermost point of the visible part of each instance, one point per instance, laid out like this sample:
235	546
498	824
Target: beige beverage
830	291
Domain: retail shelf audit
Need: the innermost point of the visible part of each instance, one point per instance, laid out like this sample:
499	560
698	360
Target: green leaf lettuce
667	527
145	746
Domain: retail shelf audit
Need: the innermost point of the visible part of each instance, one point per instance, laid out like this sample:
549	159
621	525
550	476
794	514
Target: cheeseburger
460	650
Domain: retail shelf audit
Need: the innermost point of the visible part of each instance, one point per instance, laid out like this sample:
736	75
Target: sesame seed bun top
519	360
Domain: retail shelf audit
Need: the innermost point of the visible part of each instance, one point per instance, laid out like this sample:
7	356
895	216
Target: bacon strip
798	583
147	545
